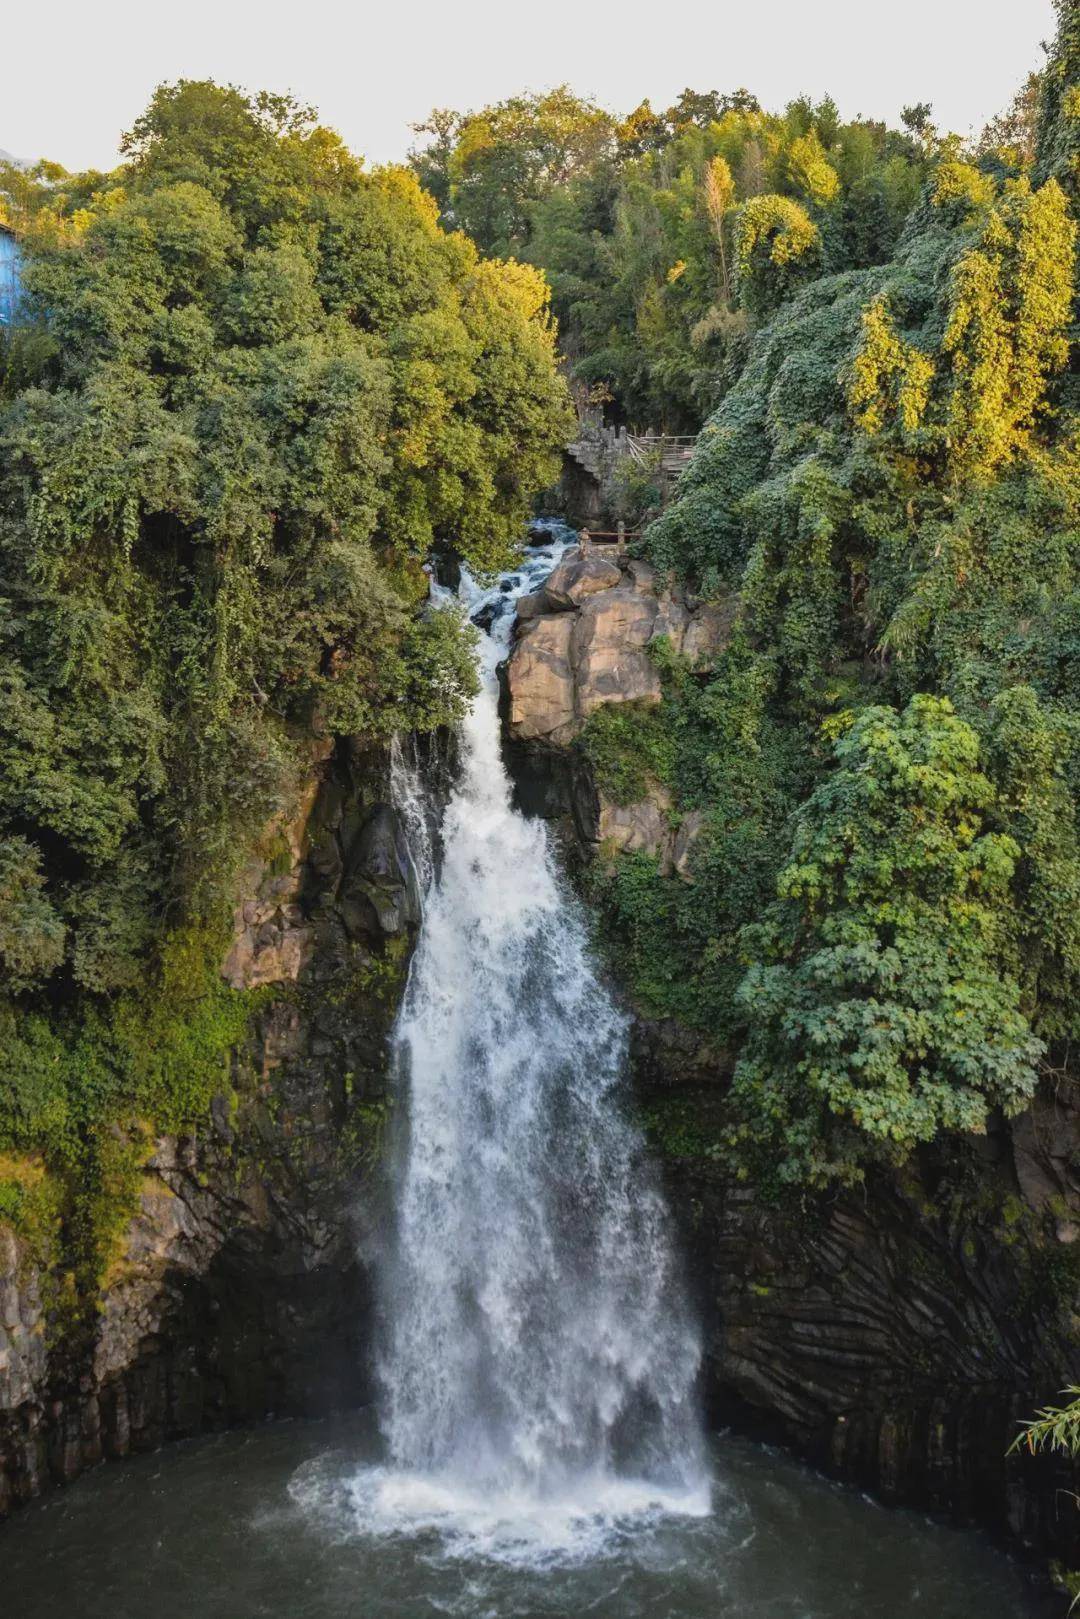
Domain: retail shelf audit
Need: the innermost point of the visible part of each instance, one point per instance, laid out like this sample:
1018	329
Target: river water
537	1448
264	1525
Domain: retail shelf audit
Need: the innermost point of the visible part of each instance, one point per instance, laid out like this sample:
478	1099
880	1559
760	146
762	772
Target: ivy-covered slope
884	921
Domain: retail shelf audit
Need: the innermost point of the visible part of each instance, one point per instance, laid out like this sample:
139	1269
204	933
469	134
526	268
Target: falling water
541	1456
539	1363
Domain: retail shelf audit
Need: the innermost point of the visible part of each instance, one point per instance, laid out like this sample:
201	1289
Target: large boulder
644	827
708	632
576	578
539	680
607	650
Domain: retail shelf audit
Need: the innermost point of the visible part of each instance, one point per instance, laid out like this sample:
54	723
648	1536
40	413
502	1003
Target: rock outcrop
237	1290
584	641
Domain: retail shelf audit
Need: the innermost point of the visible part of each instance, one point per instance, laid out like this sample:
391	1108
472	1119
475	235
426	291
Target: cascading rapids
539	1362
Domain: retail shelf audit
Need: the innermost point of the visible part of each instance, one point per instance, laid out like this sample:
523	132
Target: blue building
9	275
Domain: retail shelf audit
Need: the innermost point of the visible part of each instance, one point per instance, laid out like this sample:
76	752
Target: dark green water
270	1523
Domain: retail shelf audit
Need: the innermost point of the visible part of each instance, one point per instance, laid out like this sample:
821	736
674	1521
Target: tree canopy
877	919
252	386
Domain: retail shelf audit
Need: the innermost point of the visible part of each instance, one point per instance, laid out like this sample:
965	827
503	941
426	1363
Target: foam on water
538	1364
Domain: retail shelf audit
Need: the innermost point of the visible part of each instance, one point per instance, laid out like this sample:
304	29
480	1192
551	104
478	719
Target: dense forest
253	385
884	920
250	387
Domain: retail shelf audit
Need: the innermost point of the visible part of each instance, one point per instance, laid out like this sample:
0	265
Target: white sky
75	73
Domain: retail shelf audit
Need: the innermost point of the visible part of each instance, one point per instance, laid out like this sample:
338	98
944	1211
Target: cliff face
895	1336
238	1290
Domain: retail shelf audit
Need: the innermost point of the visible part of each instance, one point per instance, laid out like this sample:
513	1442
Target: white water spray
539	1363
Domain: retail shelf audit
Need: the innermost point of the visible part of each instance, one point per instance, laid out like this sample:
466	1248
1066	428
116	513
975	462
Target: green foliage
158	1051
1054	1427
271	383
881	916
251	386
500	161
643	224
627	744
713	742
879	1000
31	933
1057	138
972	405
879	905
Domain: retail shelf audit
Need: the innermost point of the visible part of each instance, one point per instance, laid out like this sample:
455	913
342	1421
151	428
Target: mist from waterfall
538	1363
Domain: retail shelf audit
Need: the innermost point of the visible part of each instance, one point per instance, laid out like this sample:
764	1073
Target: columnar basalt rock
896	1337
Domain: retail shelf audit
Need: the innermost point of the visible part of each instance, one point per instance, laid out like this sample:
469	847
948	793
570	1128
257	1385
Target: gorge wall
894	1336
238	1290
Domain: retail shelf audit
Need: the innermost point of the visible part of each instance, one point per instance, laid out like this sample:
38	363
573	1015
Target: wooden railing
598	447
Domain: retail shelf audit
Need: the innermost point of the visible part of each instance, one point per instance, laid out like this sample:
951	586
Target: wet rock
378	892
23	1355
490	614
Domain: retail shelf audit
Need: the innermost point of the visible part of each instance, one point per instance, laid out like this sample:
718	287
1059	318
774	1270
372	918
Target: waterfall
539	1361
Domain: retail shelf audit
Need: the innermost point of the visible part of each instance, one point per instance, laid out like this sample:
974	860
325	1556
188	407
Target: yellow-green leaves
1010	300
775	240
890	378
970	403
778	225
959	183
811	172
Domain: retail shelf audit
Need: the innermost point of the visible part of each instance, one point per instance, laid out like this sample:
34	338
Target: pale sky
75	73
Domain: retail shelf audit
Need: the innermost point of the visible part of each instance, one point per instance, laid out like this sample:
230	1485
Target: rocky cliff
895	1336
585	641
237	1289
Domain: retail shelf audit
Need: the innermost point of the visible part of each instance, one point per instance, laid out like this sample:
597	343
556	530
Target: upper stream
538	1449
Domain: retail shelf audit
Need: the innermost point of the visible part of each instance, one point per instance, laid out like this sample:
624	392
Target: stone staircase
599	450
